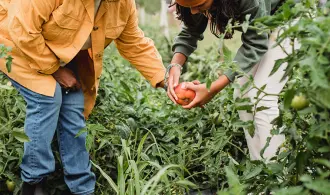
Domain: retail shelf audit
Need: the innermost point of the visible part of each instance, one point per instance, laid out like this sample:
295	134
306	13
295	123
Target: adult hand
66	78
172	82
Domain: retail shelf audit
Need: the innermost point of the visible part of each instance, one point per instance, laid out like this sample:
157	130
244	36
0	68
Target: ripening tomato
299	102
10	185
185	96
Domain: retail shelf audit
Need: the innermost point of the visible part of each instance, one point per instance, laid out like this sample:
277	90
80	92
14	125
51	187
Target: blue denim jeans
63	114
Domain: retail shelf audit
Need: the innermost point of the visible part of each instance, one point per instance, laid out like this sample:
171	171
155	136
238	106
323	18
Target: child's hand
203	95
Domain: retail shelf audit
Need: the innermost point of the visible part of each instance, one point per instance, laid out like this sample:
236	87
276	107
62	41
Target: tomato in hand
185	96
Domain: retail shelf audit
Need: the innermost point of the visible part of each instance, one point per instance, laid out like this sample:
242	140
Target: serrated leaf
275	167
277	65
245	86
252	173
322	97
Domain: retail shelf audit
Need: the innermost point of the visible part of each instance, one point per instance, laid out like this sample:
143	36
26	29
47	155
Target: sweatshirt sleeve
186	41
254	45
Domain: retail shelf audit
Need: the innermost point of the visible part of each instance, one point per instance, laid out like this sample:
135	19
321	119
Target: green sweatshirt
254	45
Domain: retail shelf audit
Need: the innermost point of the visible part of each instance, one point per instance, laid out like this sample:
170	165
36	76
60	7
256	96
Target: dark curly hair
220	14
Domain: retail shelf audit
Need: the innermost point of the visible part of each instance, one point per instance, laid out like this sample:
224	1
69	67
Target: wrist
179	58
171	65
219	84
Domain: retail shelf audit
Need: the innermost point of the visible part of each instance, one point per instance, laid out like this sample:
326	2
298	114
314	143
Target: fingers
176	80
192	104
170	96
189	85
196	82
171	85
170	90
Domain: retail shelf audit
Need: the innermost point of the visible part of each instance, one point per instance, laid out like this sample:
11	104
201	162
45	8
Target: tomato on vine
299	102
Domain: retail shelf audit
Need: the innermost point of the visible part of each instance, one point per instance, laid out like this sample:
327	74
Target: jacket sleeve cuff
185	51
230	75
157	78
50	70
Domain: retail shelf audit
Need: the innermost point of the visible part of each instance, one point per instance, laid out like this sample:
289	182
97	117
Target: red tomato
185	96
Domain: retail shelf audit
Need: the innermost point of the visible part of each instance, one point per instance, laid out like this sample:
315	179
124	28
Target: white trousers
262	120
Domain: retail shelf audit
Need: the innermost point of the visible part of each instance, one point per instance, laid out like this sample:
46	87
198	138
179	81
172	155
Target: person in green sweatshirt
255	57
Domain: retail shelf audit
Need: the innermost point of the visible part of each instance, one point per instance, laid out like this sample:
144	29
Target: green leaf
265	147
324	149
132	124
261	90
121	177
319	185
123	130
261	108
208	83
322	97
286	11
136	171
277	65
288	96
275	168
6	87
125	86
186	183
246	23
107	177
301	161
20	135
245	86
252	173
9	61
296	190
235	186
227	53
323	162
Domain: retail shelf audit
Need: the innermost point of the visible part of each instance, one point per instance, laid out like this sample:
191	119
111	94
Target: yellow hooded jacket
43	32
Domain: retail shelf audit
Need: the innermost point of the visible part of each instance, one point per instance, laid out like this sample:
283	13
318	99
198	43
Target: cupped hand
203	95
